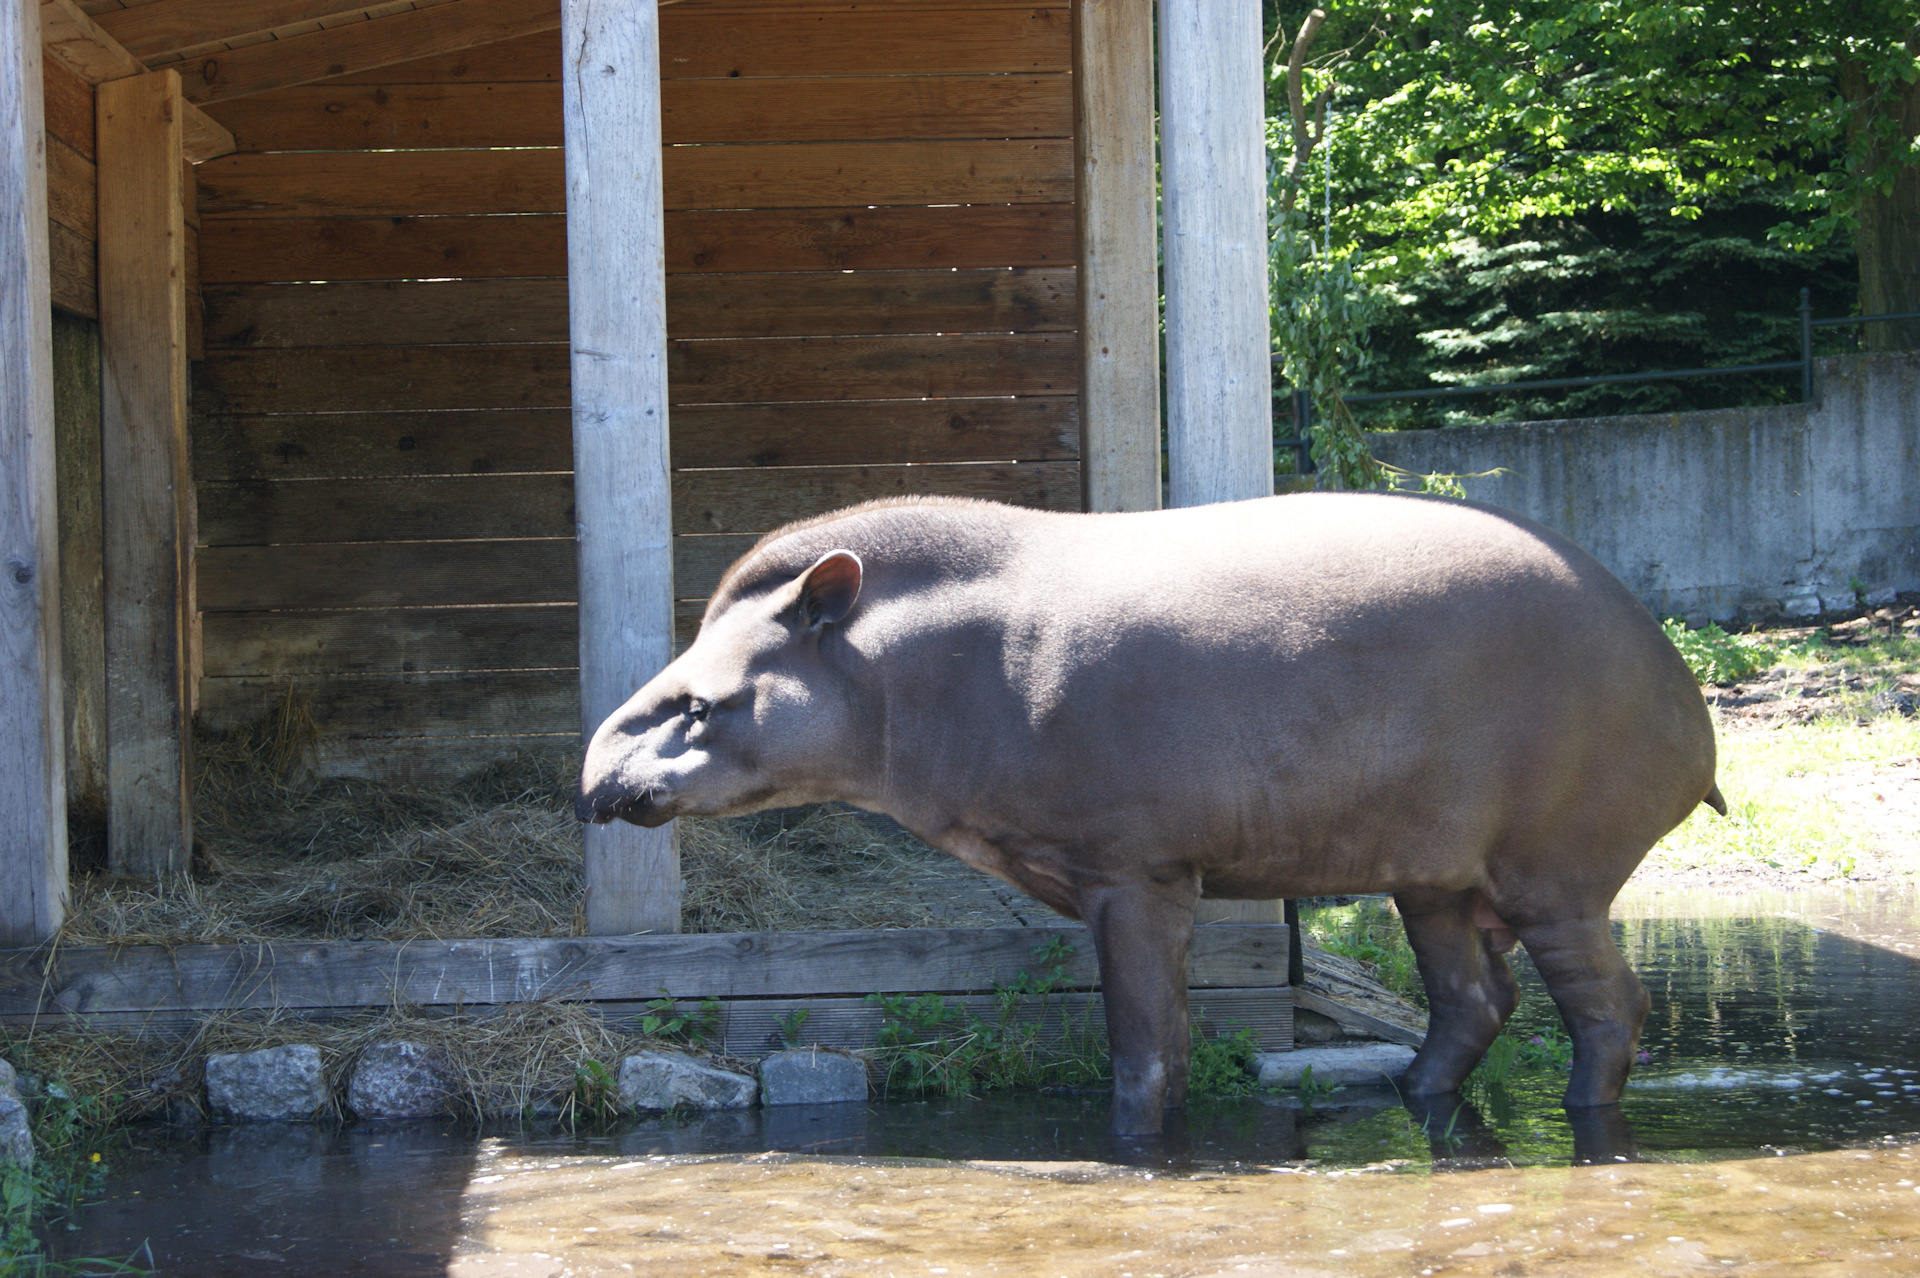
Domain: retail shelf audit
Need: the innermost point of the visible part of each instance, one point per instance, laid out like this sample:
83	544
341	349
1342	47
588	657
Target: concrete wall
1743	510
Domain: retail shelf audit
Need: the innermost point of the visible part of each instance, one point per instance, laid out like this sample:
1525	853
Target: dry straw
285	855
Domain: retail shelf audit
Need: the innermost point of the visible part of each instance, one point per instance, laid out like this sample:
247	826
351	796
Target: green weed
792	1023
1222	1064
595	1099
928	1044
664	1019
69	1167
1715	656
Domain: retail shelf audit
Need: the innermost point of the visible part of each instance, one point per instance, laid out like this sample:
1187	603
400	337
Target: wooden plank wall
870	247
71	188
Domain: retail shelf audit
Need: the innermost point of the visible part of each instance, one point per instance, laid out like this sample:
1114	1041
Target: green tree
1518	180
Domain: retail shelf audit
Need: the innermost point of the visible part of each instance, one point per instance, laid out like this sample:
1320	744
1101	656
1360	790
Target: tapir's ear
828	589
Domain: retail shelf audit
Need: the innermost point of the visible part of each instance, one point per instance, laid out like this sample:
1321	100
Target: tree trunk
1887	240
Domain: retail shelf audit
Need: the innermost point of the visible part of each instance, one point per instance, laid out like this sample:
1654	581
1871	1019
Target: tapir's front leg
1141	933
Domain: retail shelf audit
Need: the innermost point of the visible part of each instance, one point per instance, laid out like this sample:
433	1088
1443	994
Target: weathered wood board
229	449
753	304
870	246
403	246
312	974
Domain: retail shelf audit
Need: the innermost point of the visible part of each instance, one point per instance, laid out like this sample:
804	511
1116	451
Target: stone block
1368	1064
400	1080
809	1076
16	1132
1881	597
275	1084
1802	605
674	1080
9	1081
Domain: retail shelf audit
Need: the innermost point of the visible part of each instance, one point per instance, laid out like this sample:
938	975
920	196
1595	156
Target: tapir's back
1300	682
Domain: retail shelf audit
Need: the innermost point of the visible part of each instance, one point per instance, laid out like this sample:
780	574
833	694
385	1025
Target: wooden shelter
449	349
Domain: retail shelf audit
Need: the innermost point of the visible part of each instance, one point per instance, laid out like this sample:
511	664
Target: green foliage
791	1025
1524	189
69	1167
1715	656
1369	932
664	1019
927	1044
1222	1064
1549	1050
595	1100
1311	1089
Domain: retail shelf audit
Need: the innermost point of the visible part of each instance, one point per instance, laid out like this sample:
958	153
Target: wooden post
147	484
33	786
616	288
1214	206
1119	284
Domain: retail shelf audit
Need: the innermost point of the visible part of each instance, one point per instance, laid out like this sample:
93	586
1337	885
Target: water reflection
1768	1036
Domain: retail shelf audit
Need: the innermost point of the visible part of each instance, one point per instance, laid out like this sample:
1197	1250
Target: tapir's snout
609	801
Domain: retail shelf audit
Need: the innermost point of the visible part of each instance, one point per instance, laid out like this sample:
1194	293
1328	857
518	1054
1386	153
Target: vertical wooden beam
616	288
1119	284
147	484
33	786
1214	205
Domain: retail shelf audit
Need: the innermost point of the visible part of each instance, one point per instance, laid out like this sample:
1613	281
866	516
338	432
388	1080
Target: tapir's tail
1716	800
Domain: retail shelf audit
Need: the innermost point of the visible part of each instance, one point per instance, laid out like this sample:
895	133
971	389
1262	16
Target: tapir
1120	714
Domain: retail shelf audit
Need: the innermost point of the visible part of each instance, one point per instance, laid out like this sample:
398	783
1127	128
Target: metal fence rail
1302	403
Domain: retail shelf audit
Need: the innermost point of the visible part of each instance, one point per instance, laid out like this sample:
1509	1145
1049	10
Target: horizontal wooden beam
1358	1023
68	35
320	974
163	27
364	46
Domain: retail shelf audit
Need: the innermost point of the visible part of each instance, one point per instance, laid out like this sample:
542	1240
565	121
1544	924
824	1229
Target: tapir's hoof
1601	1134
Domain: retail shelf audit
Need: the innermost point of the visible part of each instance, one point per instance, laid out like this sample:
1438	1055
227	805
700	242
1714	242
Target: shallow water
1775	1036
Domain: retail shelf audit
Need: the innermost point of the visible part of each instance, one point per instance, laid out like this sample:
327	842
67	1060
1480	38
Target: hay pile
283	855
521	1060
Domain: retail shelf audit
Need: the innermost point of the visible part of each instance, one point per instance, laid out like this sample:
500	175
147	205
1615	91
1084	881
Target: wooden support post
1119	284
1214	205
616	287
33	786
147	507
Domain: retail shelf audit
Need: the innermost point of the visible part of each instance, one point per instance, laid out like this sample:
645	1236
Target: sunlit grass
1772	823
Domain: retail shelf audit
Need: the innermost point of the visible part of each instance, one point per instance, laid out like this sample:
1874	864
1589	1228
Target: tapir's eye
697	709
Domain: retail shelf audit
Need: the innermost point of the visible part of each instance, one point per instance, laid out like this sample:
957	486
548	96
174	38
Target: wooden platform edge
293	976
1354	1021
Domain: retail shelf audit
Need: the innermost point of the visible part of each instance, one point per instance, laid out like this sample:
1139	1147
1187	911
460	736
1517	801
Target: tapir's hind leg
1470	990
1601	1000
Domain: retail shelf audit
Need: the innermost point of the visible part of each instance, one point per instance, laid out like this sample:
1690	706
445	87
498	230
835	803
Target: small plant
595	1099
1310	1088
68	1168
1549	1051
1714	656
1222	1064
792	1023
662	1018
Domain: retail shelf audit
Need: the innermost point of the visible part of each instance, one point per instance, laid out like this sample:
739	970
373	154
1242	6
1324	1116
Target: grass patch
1772	822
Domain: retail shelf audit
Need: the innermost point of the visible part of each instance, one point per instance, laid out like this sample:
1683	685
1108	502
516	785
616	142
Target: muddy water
1769	1133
